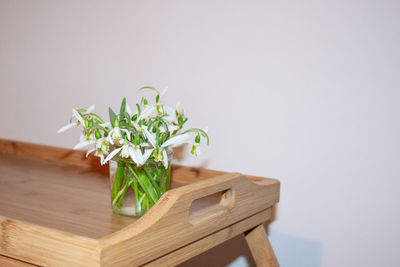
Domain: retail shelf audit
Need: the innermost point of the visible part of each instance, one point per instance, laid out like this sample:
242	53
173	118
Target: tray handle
217	200
171	225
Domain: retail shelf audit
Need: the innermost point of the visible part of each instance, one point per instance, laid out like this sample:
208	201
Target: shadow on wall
291	251
296	251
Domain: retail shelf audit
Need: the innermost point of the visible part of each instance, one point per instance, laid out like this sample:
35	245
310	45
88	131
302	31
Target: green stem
121	194
152	181
119	175
146	185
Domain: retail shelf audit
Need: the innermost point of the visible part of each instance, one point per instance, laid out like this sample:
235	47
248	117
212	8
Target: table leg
260	247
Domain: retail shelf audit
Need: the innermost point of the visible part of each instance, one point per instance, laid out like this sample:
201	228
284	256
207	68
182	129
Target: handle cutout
210	206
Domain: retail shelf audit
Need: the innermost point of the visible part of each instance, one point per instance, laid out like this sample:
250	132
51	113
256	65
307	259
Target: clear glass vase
135	189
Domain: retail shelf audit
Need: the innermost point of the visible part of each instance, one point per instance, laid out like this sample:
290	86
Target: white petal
165	159
90	109
197	151
133	156
105	124
102	159
163	94
90	151
146	112
66	127
150	136
125	151
78	117
147	154
139	156
169	111
176	141
128	134
82	144
109	139
144	145
112	154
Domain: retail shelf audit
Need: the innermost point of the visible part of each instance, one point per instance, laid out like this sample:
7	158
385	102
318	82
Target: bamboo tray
55	211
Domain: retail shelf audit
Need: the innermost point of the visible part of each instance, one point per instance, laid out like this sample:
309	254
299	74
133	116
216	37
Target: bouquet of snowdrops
139	146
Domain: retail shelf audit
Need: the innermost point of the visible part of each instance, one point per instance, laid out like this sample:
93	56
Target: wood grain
10	262
210	241
261	248
170	215
55	210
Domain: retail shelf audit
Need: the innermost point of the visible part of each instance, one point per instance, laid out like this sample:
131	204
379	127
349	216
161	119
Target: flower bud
180	121
90	123
97	134
137	140
197	140
134	117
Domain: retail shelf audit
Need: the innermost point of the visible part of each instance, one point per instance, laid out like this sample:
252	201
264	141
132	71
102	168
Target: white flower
85	141
146	112
176	141
78	117
161	155
129	150
101	147
115	136
163	93
171	128
150	136
195	149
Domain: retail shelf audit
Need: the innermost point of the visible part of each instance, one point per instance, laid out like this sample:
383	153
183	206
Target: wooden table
55	211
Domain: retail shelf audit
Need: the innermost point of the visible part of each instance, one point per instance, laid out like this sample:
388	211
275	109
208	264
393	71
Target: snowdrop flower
129	150
162	155
101	147
115	136
146	112
176	141
85	141
79	119
196	145
195	149
171	128
150	136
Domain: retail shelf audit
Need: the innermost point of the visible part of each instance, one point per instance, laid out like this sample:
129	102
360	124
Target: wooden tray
55	210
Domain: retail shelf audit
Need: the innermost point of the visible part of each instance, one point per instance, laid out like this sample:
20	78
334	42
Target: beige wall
306	91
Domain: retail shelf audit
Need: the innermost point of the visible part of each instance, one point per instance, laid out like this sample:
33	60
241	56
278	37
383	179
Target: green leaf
122	110
113	116
148	188
119	175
